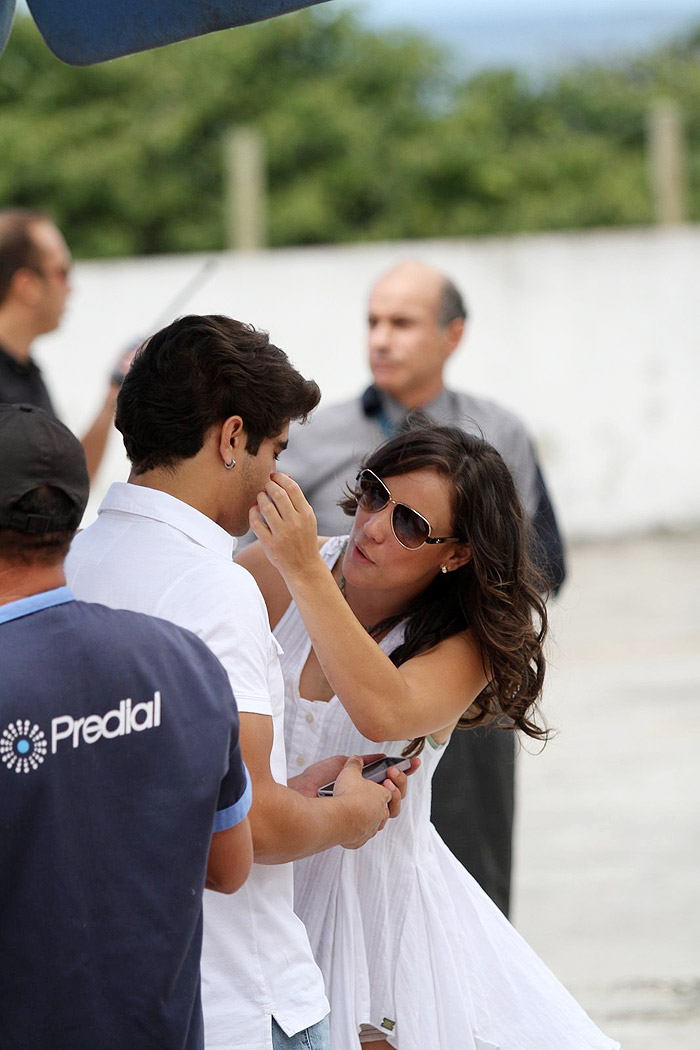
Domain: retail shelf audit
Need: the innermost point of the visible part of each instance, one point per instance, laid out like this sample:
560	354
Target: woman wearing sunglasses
426	617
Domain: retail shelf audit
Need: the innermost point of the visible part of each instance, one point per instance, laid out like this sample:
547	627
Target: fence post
667	163
245	189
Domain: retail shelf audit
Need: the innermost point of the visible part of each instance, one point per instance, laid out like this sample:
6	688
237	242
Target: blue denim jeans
318	1037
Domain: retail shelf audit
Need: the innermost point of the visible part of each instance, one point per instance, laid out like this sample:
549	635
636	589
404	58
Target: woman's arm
425	695
269	580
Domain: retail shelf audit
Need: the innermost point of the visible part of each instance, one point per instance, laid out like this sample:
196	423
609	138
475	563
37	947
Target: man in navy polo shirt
118	759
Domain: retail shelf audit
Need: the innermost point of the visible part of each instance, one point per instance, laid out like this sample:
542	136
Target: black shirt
21	383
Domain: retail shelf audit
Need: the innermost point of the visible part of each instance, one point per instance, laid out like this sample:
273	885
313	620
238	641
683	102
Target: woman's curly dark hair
497	594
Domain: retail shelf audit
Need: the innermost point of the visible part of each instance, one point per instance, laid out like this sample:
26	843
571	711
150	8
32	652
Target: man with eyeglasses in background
35	266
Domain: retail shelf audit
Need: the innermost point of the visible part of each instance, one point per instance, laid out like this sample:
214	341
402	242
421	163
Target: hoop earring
231	465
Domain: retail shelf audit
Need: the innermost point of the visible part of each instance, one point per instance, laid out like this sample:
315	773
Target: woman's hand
285	524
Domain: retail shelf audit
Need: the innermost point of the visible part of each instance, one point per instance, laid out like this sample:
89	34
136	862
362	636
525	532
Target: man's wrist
350	816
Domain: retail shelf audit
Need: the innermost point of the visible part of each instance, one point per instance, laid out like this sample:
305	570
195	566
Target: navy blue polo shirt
118	758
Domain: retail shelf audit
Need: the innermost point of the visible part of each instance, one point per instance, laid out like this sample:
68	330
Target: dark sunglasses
410	528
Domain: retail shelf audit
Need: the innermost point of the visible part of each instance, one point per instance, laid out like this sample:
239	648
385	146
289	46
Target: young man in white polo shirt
204	413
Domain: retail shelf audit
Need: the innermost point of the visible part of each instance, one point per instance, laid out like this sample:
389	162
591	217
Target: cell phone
375	771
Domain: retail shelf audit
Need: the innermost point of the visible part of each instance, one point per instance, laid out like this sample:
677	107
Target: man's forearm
287	825
94	442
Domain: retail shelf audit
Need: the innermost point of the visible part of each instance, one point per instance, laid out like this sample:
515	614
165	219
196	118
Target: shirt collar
161	506
20	368
438	408
35	603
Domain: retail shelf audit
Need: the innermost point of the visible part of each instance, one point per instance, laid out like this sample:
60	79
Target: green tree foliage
368	137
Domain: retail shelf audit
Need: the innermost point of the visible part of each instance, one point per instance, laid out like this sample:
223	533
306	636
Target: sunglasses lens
409	528
371	494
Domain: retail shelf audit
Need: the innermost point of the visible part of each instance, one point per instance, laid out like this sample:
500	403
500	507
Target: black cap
37	450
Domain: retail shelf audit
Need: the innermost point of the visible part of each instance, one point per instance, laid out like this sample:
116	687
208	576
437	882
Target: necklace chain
341	581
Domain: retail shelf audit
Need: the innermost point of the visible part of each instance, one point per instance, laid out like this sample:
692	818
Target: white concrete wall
594	338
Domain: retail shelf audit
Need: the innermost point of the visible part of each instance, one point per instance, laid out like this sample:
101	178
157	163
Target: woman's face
375	558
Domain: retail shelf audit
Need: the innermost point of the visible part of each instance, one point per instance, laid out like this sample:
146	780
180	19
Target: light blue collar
35	603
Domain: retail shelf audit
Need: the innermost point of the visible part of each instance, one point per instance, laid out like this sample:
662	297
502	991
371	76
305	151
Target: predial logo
23	746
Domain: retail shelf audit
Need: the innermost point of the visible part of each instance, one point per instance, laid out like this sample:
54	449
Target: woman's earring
231	465
443	568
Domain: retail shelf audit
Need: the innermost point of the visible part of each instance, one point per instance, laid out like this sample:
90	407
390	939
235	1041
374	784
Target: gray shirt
325	454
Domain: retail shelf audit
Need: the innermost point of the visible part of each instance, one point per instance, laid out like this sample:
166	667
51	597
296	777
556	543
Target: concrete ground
608	837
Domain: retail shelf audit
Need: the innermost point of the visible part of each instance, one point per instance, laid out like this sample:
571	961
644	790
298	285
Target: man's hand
123	363
370	802
328	770
398	780
368	805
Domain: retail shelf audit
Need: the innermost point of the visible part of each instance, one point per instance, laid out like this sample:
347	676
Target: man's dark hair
196	373
41	548
451	305
17	247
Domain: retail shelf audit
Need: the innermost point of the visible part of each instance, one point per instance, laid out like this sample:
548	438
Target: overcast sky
535	35
413	10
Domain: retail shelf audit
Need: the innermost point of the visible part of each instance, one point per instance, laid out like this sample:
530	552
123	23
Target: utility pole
245	189
667	163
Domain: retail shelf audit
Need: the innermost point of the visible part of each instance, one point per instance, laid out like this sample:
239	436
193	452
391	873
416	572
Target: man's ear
453	332
26	286
232	438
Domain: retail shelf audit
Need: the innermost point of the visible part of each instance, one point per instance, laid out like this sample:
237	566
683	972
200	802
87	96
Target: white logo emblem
125	719
23	746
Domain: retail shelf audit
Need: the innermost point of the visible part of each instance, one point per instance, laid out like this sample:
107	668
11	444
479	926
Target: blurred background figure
416	321
35	266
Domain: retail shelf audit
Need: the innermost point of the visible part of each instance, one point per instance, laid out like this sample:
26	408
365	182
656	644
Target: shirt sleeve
230	616
235	791
235	795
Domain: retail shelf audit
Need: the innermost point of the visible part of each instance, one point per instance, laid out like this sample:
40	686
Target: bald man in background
416	321
35	266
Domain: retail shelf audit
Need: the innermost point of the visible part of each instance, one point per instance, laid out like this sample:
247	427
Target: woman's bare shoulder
269	580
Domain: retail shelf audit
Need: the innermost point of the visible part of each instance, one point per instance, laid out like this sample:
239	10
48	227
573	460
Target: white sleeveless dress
406	939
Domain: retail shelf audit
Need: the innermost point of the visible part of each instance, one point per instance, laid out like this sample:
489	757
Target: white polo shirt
152	553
